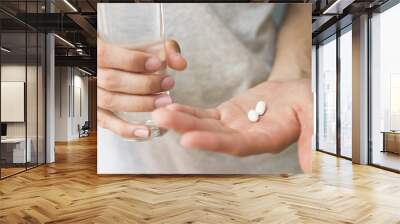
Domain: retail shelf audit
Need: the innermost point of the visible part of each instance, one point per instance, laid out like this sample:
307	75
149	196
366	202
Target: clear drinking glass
137	26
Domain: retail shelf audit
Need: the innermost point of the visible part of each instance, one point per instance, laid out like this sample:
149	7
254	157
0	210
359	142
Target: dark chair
84	130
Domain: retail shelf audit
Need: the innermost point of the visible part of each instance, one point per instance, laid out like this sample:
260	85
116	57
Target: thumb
305	118
174	58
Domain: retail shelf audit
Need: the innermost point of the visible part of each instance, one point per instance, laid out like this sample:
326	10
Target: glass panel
386	89
346	94
327	97
31	100
23	90
32	89
314	80
13	86
41	99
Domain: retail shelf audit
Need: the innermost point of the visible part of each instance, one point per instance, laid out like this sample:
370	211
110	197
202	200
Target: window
385	89
346	93
394	101
327	96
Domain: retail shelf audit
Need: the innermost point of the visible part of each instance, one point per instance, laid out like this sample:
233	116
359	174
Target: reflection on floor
14	169
70	191
387	159
10	171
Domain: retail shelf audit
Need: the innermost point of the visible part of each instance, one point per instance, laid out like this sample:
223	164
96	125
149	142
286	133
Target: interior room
48	157
22	100
26	61
334	83
385	90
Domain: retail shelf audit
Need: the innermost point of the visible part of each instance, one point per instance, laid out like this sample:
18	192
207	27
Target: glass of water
137	26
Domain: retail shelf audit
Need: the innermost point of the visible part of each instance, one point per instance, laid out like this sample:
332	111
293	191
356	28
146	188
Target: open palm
226	128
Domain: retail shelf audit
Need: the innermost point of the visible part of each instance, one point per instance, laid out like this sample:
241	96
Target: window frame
334	37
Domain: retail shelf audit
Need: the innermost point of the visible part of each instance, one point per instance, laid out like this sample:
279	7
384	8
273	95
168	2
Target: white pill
252	115
261	107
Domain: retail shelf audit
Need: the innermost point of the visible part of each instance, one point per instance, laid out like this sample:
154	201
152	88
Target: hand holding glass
131	68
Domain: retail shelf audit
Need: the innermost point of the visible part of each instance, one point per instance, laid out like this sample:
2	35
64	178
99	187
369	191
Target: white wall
61	103
12	73
12	101
80	83
67	114
33	126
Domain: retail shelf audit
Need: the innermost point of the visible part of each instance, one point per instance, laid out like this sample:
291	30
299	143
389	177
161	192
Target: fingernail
153	64
162	100
167	83
176	55
142	133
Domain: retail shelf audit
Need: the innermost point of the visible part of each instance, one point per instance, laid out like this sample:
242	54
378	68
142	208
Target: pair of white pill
253	114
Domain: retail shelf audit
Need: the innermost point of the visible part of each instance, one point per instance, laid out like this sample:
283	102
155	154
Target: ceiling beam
83	61
337	7
86	26
320	22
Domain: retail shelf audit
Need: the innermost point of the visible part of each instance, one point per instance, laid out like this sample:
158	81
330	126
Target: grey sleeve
278	13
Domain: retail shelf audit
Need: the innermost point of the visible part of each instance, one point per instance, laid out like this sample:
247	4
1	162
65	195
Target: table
391	141
17	152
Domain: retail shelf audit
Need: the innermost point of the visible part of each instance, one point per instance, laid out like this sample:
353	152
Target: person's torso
229	47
